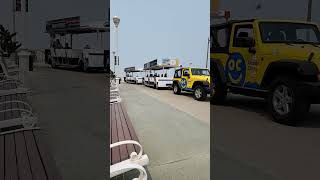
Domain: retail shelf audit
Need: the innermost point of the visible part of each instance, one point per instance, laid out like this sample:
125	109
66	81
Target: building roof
73	25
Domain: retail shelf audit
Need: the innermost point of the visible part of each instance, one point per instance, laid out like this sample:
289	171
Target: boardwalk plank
47	158
11	172
24	169
37	168
2	157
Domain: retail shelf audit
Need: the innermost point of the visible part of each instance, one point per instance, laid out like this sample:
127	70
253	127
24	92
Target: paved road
176	139
71	109
251	146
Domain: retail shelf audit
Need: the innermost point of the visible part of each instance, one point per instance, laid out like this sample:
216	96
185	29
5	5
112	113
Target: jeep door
186	81
241	66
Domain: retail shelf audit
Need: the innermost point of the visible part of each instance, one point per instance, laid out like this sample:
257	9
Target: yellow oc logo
236	69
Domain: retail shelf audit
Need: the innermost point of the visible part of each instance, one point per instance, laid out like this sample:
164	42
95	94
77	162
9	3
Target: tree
7	44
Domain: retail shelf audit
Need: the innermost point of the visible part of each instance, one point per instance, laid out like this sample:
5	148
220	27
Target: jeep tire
286	102
218	91
176	88
199	93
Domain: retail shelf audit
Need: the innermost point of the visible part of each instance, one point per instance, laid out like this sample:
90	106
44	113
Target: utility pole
208	47
309	17
14	17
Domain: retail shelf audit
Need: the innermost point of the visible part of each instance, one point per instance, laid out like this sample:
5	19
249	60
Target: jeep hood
294	52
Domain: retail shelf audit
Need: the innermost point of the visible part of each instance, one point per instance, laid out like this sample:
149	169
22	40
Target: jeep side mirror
186	74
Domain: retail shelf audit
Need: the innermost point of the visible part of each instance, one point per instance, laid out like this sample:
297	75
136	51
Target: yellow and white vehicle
190	79
160	75
278	60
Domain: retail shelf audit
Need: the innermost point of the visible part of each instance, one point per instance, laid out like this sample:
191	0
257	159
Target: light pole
116	21
115	60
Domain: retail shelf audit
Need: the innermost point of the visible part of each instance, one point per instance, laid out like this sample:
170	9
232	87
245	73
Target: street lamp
116	21
115	60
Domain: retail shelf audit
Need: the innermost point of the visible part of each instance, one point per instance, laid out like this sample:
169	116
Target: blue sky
152	29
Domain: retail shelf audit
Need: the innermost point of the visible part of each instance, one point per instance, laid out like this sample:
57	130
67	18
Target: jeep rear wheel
176	89
199	93
286	104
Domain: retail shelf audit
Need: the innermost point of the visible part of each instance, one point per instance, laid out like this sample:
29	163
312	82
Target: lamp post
115	60
116	21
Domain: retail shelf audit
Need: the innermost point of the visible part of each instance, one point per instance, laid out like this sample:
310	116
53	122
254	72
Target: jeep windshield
200	72
289	33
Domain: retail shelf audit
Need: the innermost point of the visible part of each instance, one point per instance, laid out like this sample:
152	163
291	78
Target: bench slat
130	127
10	158
22	157
120	129
47	158
127	135
37	168
2	146
116	150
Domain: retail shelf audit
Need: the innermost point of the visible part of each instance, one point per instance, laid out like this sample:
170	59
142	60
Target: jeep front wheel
176	89
218	91
199	93
286	103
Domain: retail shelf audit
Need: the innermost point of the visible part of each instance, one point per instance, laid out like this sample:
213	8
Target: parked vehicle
65	55
278	60
133	75
159	75
195	80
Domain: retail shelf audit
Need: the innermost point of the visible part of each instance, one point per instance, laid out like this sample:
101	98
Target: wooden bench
124	144
15	112
24	155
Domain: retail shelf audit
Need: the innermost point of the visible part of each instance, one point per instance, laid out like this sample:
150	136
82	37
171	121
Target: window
200	72
219	39
244	36
177	74
186	71
307	34
284	32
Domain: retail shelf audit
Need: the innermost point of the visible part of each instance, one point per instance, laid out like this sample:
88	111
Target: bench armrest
133	156
15	91
118	169
25	111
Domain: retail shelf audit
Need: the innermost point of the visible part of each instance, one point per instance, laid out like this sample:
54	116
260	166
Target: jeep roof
259	20
192	68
